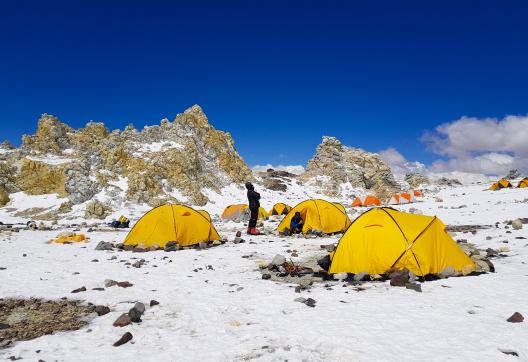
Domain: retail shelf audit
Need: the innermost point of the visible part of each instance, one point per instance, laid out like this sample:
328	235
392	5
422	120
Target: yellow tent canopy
318	215
501	184
240	212
280	209
178	223
523	183
383	239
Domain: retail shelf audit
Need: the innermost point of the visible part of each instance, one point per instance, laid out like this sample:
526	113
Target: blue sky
278	75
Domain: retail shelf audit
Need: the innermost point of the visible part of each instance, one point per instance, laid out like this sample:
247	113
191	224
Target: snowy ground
230	313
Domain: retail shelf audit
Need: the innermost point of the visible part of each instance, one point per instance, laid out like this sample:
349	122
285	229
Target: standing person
254	205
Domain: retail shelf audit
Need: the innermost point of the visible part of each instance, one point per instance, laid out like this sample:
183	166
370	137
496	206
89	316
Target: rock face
513	174
335	164
276	180
173	161
416	179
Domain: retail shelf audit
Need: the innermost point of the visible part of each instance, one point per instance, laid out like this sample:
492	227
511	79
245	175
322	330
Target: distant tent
318	215
178	223
394	200
240	212
501	184
523	183
417	193
67	239
384	239
280	209
369	200
407	198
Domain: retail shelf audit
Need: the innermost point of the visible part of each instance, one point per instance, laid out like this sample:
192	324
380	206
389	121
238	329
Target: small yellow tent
280	209
383	239
501	184
240	212
178	223
523	183
318	215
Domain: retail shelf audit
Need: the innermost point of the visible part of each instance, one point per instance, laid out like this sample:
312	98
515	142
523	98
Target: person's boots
254	231
249	230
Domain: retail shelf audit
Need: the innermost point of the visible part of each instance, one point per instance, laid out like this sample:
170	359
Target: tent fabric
394	200
384	239
318	215
403	198
240	212
280	209
178	223
501	184
417	193
69	239
523	183
369	200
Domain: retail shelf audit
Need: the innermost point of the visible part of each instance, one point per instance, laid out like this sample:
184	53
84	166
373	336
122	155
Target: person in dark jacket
296	223
254	204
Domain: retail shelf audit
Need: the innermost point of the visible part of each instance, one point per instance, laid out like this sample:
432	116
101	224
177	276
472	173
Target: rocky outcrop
4	196
96	210
444	181
276	180
38	178
173	161
335	165
416	179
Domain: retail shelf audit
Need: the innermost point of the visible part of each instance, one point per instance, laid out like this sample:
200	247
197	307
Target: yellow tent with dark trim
383	239
501	184
178	223
523	183
240	212
280	209
318	215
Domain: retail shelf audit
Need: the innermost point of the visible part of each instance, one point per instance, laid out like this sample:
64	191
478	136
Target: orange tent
406	198
369	200
417	193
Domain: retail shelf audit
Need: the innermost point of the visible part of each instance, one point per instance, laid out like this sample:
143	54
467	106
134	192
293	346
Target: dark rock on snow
124	339
516	318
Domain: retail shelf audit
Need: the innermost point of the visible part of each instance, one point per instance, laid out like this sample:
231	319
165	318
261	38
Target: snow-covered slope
226	312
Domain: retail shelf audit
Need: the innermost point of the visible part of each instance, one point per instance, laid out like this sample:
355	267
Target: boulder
516	318
124	339
278	260
96	210
104	245
517	224
399	278
122	321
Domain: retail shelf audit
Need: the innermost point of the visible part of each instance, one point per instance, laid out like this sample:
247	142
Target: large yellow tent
383	239
280	209
523	183
178	223
501	184
318	215
240	212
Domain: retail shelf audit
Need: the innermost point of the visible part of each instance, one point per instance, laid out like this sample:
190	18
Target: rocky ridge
174	161
335	165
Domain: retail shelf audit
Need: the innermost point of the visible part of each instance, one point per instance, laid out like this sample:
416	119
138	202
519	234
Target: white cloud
295	169
399	164
489	145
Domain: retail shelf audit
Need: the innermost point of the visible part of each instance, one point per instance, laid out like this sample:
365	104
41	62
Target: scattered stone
399	278
99	289
517	224
139	263
324	262
135	315
516	318
124	284
109	283
95	261
122	321
171	246
238	240
310	302
414	286
510	352
238	234
78	290
124	339
203	245
340	276
300	300
154	302
266	276
102	310
4	326
104	245
216	243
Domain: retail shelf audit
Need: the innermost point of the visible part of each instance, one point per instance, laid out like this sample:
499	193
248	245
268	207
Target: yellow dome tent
280	209
318	215
178	223
383	239
240	212
523	183
501	184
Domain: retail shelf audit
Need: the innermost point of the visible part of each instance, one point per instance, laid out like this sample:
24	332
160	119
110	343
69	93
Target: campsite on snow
136	242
